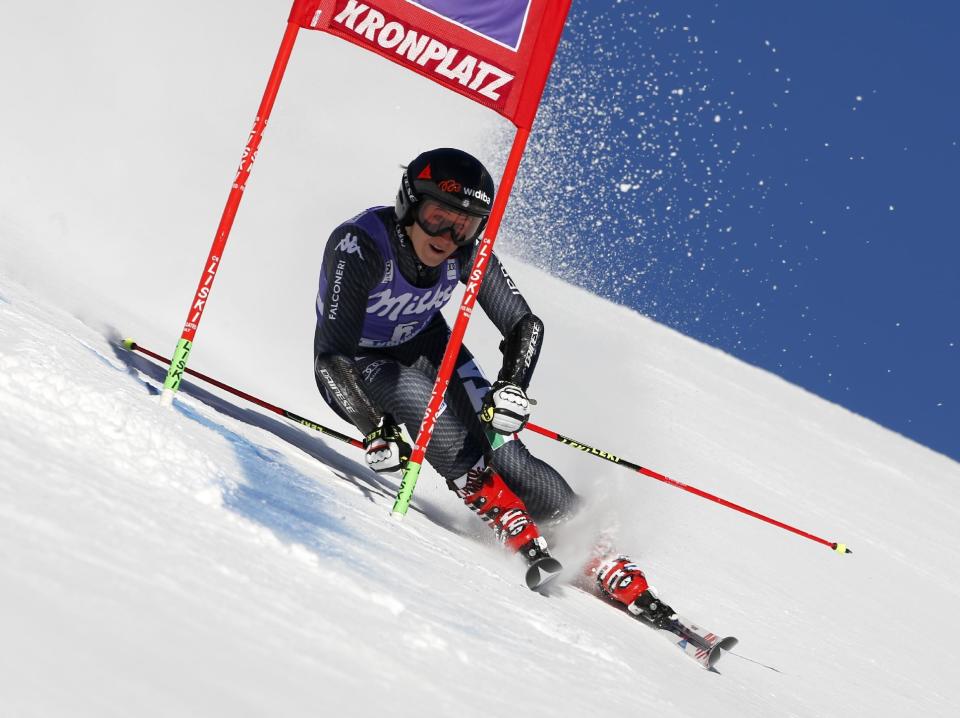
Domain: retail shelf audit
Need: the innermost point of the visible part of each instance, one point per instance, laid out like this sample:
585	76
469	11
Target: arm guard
521	349
337	377
522	330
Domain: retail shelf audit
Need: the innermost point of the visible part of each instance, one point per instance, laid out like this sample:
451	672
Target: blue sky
778	180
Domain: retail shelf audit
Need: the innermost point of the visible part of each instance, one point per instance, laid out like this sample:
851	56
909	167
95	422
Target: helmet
455	179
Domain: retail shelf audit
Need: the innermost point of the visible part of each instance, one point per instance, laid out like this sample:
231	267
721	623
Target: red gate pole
185	345
480	264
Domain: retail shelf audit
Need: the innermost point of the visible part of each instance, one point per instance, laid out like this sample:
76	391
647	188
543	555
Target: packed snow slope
213	559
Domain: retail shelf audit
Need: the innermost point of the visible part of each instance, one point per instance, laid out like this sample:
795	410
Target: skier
380	338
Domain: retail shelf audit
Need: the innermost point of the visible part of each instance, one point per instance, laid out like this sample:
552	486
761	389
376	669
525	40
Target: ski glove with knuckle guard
386	449
506	408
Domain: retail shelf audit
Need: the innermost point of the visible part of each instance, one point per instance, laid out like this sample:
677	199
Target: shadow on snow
274	494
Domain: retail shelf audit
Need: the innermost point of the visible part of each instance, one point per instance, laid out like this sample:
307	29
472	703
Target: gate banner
496	52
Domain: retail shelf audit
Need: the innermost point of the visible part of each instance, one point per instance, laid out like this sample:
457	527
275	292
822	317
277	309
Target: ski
703	646
541	572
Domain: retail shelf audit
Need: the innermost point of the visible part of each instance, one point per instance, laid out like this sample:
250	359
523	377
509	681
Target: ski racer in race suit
380	338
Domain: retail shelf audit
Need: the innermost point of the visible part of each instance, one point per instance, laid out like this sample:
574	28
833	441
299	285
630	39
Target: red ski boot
485	492
621	581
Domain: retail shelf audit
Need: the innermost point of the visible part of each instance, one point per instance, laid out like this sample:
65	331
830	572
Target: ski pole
838	547
133	346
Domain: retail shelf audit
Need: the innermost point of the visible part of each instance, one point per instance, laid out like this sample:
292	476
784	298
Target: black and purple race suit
397	310
380	338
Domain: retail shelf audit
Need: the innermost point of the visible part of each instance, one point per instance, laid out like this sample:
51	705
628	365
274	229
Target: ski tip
716	653
728	643
129	344
841	548
542	572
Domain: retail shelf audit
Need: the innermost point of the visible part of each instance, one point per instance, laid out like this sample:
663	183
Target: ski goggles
436	219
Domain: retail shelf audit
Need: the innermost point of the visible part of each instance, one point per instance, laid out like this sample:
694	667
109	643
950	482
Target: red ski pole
613	458
838	547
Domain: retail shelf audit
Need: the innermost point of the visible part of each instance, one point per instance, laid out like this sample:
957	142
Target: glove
386	448
506	408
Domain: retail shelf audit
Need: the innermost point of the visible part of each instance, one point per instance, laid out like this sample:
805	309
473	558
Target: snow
214	559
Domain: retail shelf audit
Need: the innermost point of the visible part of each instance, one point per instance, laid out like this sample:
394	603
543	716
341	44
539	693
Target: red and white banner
496	52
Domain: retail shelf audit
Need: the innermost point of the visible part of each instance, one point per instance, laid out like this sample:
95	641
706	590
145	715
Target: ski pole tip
841	548
129	344
396	515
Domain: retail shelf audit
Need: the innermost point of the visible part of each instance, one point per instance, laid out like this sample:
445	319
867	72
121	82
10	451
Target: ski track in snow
189	561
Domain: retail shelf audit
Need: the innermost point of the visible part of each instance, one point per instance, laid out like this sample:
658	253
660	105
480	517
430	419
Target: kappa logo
417	48
350	244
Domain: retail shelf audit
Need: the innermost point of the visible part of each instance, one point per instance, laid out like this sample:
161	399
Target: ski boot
620	580
648	607
485	493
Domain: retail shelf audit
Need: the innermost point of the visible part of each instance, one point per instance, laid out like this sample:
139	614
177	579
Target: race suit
380	339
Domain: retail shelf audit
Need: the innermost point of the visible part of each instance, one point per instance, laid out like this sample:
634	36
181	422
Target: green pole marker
177	367
412	473
409	483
